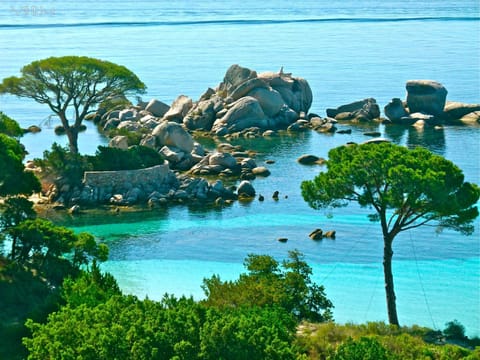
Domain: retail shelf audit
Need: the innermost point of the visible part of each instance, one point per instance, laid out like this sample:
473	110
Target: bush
133	137
9	127
454	330
68	167
61	162
113	159
366	348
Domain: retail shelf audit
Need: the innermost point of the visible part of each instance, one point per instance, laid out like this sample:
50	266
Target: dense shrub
266	284
68	167
136	157
9	127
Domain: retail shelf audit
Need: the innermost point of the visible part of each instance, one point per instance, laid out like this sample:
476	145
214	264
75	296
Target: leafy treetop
71	86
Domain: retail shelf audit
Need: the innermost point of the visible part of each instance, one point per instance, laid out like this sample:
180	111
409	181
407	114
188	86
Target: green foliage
248	333
374	340
454	330
42	246
69	167
121	328
133	137
405	188
416	185
267	285
136	157
91	288
366	348
15	210
13	177
72	85
9	127
23	295
64	164
124	327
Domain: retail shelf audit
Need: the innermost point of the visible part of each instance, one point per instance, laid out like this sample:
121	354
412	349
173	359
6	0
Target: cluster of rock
243	101
425	104
244	104
156	186
319	234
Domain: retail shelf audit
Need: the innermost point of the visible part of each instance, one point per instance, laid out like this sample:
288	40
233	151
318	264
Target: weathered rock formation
246	99
426	96
426	105
358	111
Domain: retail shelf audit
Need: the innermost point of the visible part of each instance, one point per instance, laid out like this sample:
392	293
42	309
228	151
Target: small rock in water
283	240
275	195
261	197
316	234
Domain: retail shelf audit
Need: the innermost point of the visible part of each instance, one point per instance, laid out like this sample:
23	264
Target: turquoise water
347	50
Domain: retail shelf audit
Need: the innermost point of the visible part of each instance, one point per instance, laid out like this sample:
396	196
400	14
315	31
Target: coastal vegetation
405	189
60	305
71	86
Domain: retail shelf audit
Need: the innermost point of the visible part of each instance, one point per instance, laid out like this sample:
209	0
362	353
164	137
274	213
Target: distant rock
426	96
471	118
244	113
330	234
157	108
456	110
33	129
363	110
395	110
119	142
310	160
270	100
180	107
173	134
245	188
261	171
316	234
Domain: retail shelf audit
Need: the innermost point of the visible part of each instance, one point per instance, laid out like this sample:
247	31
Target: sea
347	50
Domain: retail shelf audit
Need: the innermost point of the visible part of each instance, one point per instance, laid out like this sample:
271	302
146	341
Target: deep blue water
347	50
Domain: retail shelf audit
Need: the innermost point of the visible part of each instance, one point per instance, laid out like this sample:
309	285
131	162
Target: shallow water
347	50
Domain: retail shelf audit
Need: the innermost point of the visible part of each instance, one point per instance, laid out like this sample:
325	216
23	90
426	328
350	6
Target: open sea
347	50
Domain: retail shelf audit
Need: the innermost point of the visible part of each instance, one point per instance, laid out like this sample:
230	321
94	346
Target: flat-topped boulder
426	96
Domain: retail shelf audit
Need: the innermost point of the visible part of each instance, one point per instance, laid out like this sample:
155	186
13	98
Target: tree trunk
389	289
72	135
70	131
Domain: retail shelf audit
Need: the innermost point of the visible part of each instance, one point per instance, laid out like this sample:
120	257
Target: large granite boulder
119	142
225	160
245	188
362	110
295	91
269	99
426	96
170	133
456	110
235	76
157	108
280	96
203	114
395	110
244	113
472	118
179	109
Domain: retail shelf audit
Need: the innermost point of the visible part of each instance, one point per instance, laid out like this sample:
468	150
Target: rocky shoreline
244	105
